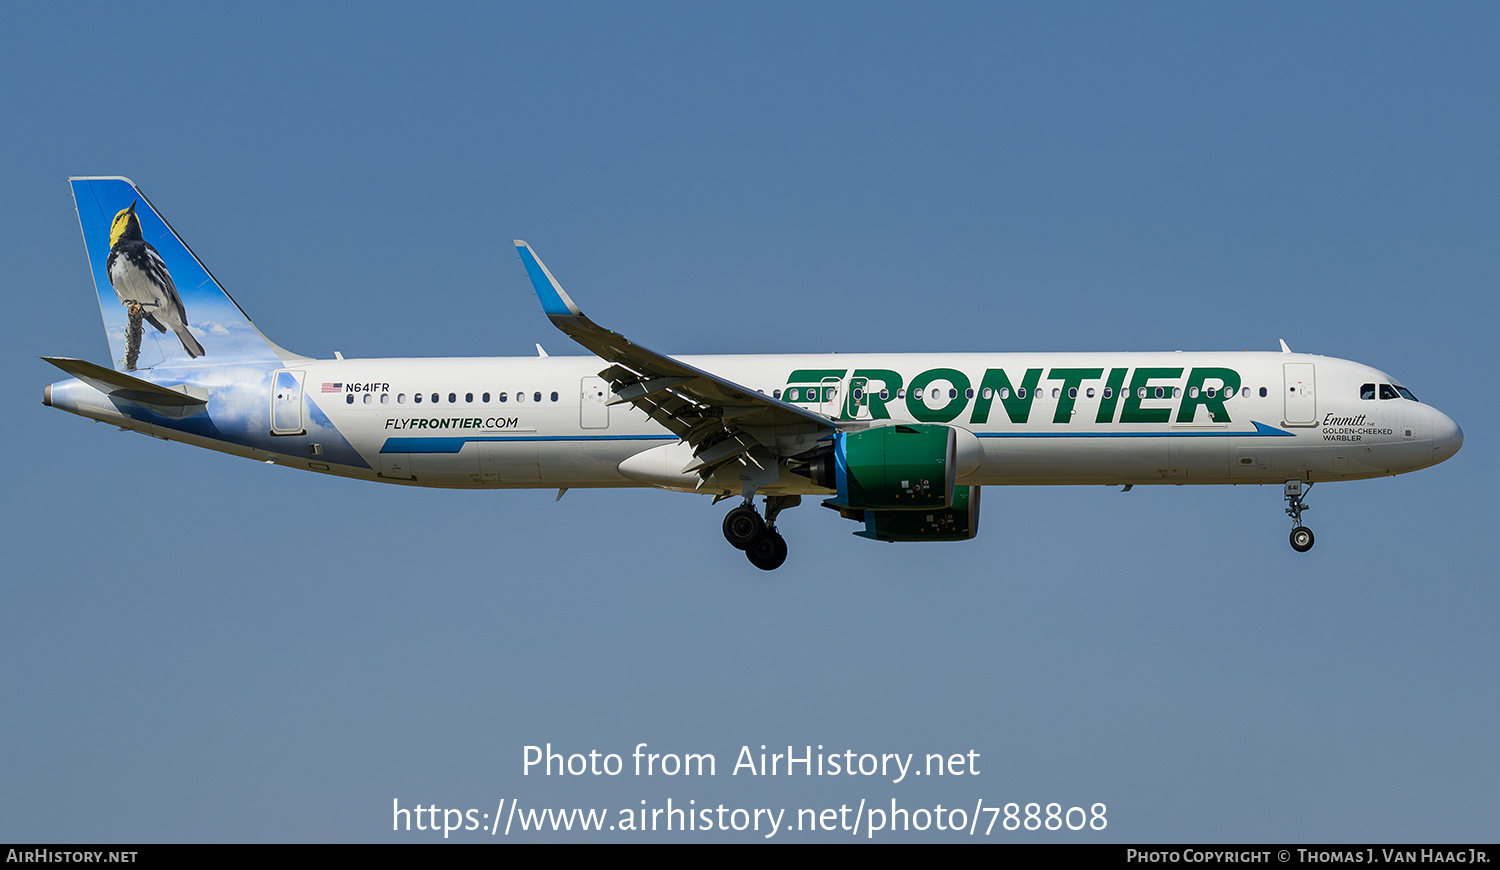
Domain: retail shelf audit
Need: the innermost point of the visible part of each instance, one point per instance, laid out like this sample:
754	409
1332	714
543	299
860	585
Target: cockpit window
1367	391
1406	394
1388	392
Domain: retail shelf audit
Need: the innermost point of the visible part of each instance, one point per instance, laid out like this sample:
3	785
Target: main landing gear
745	530
1302	536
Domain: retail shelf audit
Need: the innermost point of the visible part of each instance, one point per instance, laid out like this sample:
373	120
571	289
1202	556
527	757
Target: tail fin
144	273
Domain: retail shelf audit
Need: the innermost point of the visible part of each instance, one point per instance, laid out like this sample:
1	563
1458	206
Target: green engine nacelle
899	467
957	523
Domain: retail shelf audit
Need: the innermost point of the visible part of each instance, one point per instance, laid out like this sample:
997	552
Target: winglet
554	299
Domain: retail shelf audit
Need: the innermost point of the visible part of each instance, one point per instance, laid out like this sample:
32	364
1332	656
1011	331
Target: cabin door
286	403
1301	398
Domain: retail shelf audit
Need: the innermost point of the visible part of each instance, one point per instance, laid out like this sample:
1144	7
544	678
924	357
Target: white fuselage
1084	418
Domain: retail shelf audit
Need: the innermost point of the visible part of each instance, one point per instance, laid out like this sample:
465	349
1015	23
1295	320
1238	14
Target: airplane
899	443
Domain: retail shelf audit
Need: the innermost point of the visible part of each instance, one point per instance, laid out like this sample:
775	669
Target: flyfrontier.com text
796	761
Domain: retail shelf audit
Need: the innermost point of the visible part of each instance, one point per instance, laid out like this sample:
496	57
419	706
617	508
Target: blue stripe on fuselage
456	445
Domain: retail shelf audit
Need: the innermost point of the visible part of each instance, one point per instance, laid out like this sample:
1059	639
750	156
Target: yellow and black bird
144	286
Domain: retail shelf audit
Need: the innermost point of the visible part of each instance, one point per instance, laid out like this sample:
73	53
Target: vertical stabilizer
161	306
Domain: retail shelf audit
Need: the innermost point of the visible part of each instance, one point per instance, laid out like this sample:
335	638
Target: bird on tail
144	287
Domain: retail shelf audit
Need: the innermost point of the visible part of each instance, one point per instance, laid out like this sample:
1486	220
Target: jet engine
899	480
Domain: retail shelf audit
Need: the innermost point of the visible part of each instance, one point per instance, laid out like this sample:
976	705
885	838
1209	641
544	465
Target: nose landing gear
1302	539
1302	536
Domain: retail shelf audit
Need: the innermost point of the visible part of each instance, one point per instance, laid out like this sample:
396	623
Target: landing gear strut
745	530
1302	536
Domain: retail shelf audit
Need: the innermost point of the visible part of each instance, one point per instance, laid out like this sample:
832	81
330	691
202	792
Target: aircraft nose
1446	437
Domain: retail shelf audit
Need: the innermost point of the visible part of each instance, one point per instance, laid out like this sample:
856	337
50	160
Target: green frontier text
943	395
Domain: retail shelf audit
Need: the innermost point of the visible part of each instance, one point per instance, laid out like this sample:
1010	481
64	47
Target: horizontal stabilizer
123	386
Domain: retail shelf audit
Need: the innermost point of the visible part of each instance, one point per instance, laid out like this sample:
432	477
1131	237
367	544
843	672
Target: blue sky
196	647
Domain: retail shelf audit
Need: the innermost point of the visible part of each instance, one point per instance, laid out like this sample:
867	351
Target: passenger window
1090	392
901	394
1141	393
776	394
469	397
969	393
1054	392
485	398
1109	392
452	398
885	394
1177	392
434	398
520	396
1020	392
554	397
1367	391
1262	392
1193	393
349	399
400	398
1388	392
503	397
369	399
385	398
417	397
1072	392
953	394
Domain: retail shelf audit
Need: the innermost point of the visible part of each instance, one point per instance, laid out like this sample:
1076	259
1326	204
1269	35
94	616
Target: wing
724	422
